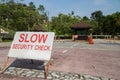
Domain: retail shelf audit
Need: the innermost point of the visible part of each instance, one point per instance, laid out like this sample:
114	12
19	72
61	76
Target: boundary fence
87	36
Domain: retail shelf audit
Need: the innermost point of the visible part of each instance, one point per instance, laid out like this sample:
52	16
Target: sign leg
47	69
4	66
51	61
32	61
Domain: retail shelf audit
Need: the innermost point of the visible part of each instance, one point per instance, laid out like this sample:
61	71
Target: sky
80	7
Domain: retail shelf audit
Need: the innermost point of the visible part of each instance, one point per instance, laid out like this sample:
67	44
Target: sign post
32	45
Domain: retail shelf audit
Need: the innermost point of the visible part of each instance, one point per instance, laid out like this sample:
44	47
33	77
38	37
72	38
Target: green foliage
61	24
96	21
109	24
20	17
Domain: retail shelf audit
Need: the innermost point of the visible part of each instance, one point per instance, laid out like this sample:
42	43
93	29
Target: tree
117	22
96	20
97	15
19	17
86	20
111	24
41	9
32	6
61	24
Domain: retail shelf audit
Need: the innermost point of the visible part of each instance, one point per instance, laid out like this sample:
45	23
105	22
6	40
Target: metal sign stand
4	66
47	68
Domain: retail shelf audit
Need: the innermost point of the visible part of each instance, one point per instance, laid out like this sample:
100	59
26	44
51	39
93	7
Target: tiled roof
81	25
39	28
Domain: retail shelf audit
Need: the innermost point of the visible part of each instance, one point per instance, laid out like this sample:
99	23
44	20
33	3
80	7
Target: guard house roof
39	28
81	25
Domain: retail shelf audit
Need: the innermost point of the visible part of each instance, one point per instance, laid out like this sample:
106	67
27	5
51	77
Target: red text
40	38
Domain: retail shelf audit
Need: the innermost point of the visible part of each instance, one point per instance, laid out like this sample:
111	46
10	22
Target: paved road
100	59
98	45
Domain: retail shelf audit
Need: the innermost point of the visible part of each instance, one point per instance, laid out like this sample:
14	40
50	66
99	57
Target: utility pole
47	12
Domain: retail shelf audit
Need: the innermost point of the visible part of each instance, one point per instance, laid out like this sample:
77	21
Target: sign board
32	45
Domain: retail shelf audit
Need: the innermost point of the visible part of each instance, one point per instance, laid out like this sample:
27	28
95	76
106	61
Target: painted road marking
74	45
64	51
71	46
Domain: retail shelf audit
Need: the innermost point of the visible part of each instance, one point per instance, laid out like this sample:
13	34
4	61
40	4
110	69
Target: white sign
32	45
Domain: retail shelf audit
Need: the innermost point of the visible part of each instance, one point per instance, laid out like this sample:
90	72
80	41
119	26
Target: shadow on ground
28	64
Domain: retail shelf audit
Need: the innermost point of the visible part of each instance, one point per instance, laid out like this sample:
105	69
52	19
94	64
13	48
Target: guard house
81	31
